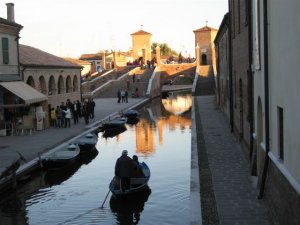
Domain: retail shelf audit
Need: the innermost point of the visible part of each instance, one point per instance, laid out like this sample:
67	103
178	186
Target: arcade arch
60	85
51	86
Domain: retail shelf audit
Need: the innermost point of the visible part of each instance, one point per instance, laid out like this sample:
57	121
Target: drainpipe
266	80
250	77
230	68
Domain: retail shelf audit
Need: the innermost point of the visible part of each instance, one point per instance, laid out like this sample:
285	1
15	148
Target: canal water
161	138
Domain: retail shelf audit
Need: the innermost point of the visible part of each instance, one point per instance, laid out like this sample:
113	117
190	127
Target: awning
24	91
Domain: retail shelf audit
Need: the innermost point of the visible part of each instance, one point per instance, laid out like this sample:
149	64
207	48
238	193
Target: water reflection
157	118
13	204
178	104
128	210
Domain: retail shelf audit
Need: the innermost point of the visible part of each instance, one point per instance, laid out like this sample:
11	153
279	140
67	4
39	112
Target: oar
105	199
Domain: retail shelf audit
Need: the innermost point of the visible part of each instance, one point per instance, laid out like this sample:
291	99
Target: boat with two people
137	183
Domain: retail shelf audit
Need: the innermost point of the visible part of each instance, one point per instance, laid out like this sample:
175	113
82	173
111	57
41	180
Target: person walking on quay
78	104
123	169
92	108
63	117
123	95
53	118
85	112
119	95
126	96
68	116
75	113
133	78
128	84
59	116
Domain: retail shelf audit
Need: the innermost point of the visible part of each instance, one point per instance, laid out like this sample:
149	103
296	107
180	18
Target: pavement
228	193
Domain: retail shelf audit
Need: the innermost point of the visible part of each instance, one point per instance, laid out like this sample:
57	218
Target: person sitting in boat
123	169
137	170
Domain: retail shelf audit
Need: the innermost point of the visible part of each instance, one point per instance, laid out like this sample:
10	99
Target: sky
69	28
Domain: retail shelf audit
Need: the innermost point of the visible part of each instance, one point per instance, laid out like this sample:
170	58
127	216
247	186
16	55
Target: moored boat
110	133
136	184
131	114
62	157
87	142
113	124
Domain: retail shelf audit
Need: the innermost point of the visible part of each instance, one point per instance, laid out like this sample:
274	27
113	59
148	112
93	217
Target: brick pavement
235	195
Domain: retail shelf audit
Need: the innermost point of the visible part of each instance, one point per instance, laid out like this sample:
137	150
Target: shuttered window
5	50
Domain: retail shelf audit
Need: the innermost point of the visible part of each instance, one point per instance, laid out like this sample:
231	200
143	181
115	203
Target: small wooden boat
131	114
87	142
114	123
61	158
137	184
110	133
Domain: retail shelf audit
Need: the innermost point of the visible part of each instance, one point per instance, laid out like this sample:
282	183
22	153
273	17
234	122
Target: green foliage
164	49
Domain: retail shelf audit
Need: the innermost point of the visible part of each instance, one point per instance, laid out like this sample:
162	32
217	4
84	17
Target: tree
164	49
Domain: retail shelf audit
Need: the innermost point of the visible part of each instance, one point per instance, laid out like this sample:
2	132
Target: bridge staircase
142	77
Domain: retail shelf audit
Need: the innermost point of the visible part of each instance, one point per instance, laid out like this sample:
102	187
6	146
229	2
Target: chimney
10	12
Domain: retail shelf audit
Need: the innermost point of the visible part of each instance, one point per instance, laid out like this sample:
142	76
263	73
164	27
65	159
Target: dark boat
87	142
109	133
61	158
56	177
131	114
137	184
113	124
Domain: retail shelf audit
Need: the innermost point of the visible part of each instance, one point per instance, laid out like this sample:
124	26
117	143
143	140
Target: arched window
51	88
60	85
68	85
75	84
42	85
203	59
30	82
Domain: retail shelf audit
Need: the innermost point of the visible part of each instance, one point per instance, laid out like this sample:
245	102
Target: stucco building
141	45
276	74
53	76
223	80
20	104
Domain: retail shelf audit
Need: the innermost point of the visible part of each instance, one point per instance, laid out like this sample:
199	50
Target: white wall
284	56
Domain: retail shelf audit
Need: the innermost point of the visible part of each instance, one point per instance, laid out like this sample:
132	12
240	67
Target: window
280	133
5	50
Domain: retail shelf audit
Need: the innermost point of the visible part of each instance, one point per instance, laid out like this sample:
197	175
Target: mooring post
40	160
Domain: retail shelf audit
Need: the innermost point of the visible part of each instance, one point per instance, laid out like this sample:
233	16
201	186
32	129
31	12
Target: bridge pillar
103	61
115	59
197	56
157	49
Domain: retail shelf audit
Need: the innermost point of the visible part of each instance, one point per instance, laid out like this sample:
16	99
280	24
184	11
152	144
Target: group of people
61	115
127	168
122	96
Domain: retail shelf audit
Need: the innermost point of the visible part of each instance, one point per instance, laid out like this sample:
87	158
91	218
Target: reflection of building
145	132
177	105
144	138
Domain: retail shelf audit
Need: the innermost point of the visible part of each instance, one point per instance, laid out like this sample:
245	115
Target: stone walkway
234	195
